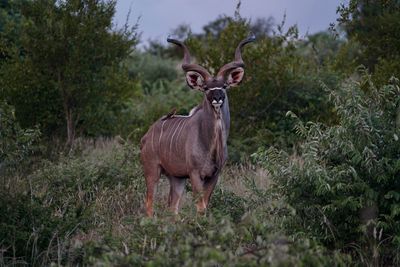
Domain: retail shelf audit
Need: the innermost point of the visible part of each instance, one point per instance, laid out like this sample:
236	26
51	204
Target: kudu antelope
192	146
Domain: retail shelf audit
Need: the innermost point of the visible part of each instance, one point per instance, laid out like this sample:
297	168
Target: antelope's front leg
197	187
209	186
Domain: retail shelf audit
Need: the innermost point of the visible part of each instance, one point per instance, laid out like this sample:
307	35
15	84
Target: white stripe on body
152	140
159	139
172	138
179	134
172	126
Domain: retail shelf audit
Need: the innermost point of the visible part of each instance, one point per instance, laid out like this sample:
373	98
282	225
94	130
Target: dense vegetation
313	177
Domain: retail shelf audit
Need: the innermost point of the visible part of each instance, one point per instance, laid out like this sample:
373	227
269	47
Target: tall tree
73	52
374	24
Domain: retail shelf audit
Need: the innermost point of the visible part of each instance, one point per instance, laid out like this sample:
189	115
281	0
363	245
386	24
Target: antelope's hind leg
152	176
177	186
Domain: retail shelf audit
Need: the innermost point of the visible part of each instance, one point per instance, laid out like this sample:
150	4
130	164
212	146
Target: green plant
343	184
66	66
48	209
17	145
226	203
373	27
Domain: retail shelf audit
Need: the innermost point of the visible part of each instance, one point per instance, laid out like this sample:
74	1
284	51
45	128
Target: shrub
22	229
344	182
226	203
49	209
191	241
84	177
17	145
150	69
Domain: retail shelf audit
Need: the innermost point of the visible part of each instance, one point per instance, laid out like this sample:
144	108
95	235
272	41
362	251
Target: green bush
24	225
17	145
226	203
150	69
372	26
203	241
28	230
64	199
344	183
82	178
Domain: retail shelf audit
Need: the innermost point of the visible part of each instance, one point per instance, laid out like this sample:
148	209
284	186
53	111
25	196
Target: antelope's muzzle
217	98
217	103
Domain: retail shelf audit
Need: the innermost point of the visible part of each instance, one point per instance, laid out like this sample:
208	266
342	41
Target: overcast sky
159	17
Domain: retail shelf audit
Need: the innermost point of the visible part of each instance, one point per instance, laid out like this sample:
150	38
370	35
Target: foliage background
312	178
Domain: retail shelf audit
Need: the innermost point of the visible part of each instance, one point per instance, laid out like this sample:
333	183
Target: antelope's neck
219	119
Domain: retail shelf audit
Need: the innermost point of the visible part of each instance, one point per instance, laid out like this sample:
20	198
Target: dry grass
236	178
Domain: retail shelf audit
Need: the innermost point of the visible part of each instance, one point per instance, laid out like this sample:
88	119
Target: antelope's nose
217	102
218	99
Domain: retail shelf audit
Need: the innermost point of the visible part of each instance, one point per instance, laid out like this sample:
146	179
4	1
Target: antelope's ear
235	77
195	80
